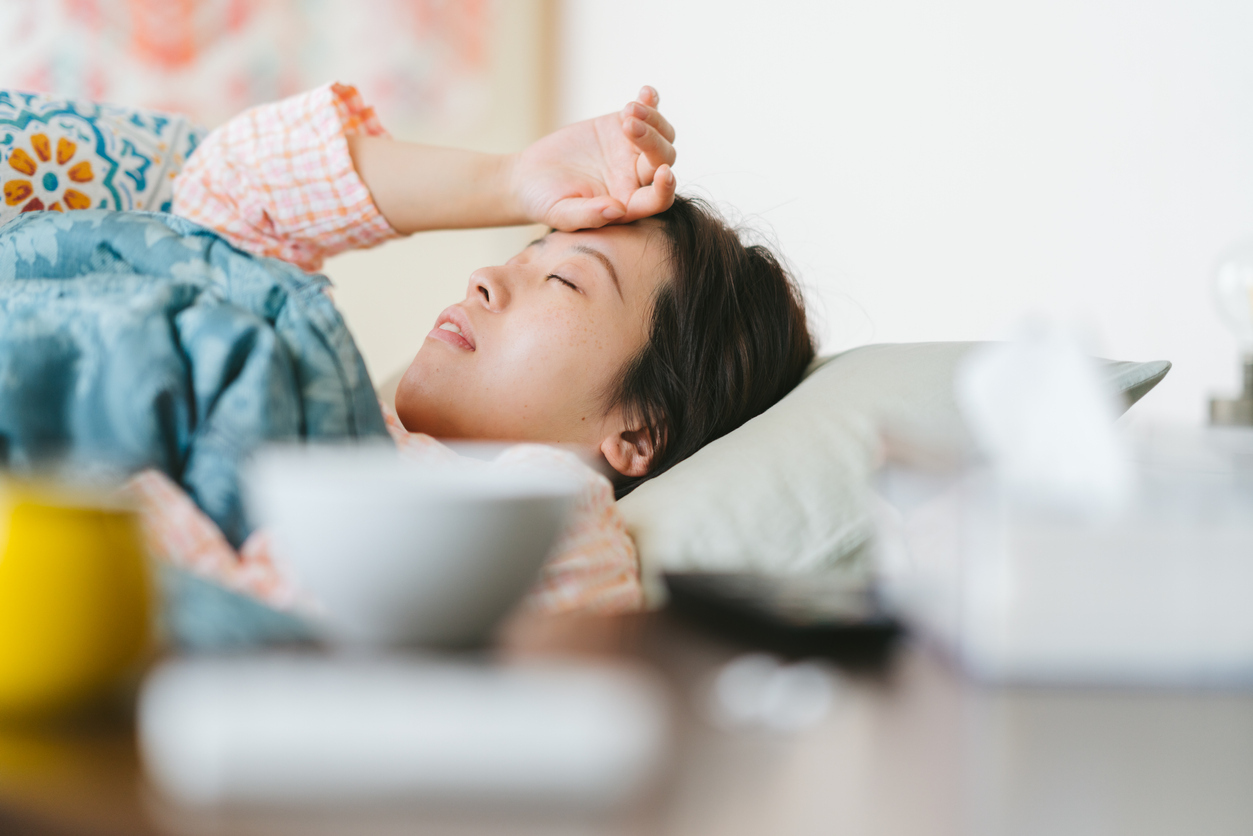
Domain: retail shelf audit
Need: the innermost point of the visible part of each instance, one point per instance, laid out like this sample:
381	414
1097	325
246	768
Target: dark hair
728	339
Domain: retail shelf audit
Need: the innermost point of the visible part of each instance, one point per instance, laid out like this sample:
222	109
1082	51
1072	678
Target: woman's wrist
512	206
480	189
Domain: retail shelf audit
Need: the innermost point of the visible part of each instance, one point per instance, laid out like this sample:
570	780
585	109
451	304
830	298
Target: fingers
655	150
584	213
651	116
650	133
649	200
574	213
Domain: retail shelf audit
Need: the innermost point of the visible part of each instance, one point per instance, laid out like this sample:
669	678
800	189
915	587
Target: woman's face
532	350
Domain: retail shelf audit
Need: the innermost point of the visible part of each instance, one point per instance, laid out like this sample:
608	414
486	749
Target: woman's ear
630	452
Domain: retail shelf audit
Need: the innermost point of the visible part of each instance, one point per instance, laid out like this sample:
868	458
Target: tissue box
1157	592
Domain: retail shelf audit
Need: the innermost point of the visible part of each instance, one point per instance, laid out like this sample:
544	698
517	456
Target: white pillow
786	492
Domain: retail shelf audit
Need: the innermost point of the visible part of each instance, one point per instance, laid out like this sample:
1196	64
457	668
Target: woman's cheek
553	340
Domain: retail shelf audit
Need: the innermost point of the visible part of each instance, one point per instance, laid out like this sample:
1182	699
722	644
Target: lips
453	327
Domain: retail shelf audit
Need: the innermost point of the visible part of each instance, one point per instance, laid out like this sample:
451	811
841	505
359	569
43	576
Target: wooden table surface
914	749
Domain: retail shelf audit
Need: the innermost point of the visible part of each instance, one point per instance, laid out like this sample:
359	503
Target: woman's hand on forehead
612	169
615	168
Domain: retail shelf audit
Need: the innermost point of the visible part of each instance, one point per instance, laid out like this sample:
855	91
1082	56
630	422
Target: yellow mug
75	600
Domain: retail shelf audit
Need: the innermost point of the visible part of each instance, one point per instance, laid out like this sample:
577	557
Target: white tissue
1037	408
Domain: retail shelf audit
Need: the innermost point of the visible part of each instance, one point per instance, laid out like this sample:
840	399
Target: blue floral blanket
136	339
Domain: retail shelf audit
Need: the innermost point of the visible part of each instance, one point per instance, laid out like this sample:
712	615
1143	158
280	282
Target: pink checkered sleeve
278	179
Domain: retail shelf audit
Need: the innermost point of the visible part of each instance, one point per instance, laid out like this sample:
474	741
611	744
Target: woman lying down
638	329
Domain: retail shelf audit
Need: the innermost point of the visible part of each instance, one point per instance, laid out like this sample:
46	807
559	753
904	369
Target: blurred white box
327	731
1160	592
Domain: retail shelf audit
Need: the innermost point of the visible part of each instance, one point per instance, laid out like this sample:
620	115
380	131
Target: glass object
75	600
1233	293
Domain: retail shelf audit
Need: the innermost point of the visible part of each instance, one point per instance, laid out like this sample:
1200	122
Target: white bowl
401	553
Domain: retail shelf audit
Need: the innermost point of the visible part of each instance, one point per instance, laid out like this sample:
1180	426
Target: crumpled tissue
1037	409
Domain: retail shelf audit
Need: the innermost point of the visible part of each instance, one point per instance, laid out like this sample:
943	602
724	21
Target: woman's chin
423	411
415	410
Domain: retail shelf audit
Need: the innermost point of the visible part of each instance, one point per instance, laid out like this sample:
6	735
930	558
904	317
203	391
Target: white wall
936	170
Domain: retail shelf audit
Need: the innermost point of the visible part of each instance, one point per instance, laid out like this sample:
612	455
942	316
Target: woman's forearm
422	187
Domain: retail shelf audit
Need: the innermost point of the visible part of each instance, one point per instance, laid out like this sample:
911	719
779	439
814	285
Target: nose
489	286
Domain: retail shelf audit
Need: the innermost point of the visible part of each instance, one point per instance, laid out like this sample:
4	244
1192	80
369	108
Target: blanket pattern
132	340
63	155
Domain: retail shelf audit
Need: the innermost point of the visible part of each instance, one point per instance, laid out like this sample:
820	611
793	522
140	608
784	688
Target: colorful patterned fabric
137	339
65	155
278	179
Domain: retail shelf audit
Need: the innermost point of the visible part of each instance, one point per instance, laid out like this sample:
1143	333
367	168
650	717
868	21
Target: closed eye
568	284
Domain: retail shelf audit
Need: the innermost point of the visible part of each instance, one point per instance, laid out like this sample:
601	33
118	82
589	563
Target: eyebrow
596	254
604	260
